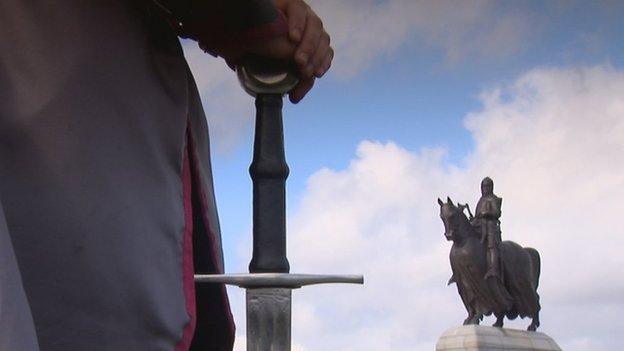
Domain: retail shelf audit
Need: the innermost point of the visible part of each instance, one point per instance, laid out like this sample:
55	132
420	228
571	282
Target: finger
300	91
328	60
296	13
309	42
317	61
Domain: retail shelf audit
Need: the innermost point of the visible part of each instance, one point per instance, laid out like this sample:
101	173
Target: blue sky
408	79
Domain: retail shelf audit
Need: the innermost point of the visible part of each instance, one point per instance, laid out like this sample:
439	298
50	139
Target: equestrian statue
492	276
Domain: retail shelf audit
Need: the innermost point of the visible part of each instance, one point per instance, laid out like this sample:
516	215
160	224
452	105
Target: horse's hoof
497	325
469	320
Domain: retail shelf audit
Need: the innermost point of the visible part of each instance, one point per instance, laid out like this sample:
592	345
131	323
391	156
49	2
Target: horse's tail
535	264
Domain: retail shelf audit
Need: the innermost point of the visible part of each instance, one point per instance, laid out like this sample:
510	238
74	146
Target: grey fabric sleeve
17	331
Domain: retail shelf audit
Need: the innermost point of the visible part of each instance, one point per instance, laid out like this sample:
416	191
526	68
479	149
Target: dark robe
105	176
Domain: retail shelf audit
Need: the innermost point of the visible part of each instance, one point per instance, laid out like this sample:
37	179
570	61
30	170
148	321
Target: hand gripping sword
269	284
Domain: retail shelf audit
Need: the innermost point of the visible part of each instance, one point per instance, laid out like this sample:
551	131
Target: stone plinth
483	338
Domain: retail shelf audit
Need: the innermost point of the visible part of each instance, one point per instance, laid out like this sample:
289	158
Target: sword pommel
263	75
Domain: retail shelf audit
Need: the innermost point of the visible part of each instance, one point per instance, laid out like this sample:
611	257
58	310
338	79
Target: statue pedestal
484	338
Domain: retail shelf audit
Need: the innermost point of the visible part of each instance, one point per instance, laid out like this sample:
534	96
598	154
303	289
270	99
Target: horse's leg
535	323
478	319
499	321
473	319
471	314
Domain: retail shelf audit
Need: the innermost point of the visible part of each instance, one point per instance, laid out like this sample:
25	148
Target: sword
269	284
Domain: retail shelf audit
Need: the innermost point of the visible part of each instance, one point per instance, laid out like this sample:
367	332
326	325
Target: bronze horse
515	296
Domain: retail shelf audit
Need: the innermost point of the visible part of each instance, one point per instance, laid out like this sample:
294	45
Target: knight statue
487	222
492	276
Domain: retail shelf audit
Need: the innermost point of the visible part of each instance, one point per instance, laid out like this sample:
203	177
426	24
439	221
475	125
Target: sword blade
268	319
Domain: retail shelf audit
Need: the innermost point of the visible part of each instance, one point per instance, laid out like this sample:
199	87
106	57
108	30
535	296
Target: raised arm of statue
471	216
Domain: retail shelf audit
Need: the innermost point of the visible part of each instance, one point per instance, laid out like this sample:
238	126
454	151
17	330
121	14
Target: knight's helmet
487	186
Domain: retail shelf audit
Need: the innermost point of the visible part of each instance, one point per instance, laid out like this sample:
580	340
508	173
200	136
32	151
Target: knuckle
311	16
326	38
317	20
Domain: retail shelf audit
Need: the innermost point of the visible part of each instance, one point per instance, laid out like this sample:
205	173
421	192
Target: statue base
484	338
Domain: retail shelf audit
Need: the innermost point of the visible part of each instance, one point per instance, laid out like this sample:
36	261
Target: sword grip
269	171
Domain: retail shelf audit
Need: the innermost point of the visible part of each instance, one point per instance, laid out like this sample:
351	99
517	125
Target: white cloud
365	30
229	110
553	141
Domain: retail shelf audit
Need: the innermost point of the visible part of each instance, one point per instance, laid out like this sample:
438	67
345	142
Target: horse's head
452	216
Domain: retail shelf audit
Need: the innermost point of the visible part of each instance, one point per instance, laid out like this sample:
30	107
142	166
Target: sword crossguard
277	280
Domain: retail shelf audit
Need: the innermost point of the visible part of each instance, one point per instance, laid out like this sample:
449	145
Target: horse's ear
448	199
440	202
